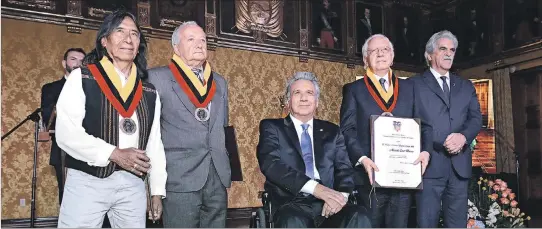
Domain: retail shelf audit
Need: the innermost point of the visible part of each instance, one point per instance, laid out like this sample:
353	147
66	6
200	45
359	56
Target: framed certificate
395	145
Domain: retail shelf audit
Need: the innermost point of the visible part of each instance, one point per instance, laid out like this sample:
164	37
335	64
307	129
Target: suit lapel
434	86
455	87
318	138
216	104
182	96
292	134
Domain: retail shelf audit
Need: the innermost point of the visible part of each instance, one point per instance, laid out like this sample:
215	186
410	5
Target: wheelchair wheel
260	218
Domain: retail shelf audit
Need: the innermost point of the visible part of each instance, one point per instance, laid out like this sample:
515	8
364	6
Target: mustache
448	58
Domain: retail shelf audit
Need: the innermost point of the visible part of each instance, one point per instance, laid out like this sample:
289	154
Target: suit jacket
280	158
459	115
190	145
49	96
356	109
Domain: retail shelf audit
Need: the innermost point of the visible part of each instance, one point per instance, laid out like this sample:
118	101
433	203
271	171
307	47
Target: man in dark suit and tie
380	91
309	176
49	95
456	119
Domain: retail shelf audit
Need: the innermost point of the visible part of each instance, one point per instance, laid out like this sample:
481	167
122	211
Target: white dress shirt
439	80
386	86
311	184
75	141
386	77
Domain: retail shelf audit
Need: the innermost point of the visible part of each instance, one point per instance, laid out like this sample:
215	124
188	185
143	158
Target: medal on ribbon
199	93
123	99
386	105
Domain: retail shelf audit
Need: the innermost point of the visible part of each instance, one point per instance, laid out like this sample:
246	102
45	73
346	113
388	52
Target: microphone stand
34	116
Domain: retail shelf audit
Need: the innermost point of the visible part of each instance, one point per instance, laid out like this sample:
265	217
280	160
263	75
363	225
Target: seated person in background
309	175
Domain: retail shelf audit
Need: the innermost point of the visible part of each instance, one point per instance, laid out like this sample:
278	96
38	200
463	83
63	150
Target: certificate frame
416	152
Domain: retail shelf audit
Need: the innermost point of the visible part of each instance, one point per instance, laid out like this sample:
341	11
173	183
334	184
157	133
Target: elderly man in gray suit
194	114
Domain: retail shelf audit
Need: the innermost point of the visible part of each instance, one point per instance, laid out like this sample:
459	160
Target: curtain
504	125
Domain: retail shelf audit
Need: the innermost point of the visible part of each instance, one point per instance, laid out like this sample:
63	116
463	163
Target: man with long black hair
108	122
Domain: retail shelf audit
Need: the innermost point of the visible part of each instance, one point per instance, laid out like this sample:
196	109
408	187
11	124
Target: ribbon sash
125	109
378	99
200	101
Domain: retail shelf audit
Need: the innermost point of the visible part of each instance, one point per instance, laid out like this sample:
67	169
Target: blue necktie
445	88
306	148
197	72
383	83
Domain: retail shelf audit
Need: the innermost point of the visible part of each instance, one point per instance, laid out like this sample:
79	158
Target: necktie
383	84
445	88
197	72
306	148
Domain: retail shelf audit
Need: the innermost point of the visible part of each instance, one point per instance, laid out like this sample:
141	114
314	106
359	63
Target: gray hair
176	36
432	43
302	76
365	47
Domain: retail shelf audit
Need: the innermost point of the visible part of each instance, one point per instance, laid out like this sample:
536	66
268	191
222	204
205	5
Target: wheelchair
263	217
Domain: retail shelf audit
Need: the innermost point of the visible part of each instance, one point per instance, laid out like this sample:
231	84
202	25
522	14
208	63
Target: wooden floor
237	218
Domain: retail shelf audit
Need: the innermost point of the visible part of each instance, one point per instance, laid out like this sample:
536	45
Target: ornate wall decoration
170	14
74	7
49	5
210	24
98	9
262	18
351	46
97	12
143	14
304	38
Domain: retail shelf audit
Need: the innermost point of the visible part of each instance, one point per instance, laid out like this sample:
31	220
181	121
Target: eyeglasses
385	50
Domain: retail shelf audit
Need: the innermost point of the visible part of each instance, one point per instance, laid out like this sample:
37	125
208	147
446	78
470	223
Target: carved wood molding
49	5
304	39
74	7
351	46
144	14
210	25
75	22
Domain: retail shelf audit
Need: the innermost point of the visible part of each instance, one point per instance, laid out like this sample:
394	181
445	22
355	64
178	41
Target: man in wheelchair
306	165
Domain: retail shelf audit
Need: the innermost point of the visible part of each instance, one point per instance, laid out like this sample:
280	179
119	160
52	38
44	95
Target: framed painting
328	26
369	20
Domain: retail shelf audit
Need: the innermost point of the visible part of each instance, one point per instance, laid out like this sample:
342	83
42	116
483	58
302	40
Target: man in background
49	95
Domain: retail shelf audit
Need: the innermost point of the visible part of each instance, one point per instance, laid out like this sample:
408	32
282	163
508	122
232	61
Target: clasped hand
334	200
131	159
454	143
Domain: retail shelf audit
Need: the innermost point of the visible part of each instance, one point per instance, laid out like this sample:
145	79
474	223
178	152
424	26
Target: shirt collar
298	123
200	69
438	75
382	77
